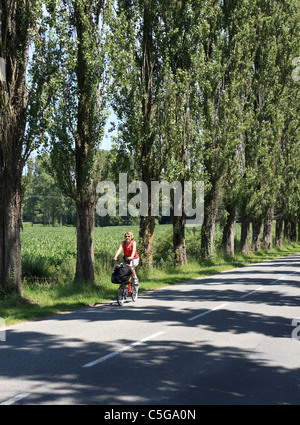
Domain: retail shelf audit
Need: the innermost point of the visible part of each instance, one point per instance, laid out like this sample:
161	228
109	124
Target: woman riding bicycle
129	248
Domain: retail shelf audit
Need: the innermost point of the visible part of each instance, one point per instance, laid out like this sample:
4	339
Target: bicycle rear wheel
121	295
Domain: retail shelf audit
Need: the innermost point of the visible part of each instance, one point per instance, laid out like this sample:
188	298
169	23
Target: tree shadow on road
202	363
158	373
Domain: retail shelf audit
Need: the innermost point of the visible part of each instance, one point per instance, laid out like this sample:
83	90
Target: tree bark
85	263
293	231
278	232
10	243
290	230
84	151
146	234
16	18
228	232
147	223
245	230
256	233
268	228
287	230
179	240
209	221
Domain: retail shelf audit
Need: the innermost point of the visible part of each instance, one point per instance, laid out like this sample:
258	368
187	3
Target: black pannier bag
121	273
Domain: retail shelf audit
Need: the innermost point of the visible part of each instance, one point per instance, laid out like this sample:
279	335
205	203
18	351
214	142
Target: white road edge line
283	277
252	292
271	283
243	296
115	353
208	311
14	399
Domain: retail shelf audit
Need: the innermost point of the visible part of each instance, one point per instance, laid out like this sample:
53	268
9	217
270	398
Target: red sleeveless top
128	250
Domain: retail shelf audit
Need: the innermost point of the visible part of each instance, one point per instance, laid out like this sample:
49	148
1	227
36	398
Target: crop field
46	250
57	245
51	251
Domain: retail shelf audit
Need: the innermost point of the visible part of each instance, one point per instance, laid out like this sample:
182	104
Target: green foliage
77	47
43	201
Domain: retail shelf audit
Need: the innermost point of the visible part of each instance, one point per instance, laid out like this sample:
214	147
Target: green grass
49	261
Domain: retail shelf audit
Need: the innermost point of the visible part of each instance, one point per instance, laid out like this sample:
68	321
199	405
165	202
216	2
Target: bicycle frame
123	291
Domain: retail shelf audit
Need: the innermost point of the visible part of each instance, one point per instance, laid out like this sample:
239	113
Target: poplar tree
138	77
21	123
176	125
272	27
78	113
287	206
218	76
235	22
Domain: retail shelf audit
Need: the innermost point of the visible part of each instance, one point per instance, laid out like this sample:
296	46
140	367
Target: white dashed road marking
14	399
127	347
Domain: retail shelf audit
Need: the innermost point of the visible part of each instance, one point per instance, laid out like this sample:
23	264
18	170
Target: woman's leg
133	265
133	271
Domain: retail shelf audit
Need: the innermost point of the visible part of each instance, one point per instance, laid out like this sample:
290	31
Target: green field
47	250
49	261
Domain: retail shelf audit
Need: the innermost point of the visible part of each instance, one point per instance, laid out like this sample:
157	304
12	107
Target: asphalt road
232	338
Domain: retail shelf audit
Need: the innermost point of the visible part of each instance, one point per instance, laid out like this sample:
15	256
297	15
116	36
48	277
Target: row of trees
202	91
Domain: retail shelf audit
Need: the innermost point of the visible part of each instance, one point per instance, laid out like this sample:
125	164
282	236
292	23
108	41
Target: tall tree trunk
228	232
245	231
146	234
256	233
85	201
290	230
147	223
209	222
10	243
278	232
287	230
293	230
268	228
16	18
180	65
179	221
179	240
85	264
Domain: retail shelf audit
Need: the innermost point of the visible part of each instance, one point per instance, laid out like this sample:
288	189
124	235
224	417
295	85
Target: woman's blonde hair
130	234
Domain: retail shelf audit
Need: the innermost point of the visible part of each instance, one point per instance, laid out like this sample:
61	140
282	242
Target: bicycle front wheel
134	292
120	296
